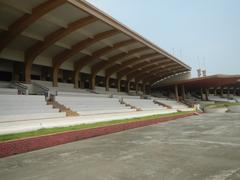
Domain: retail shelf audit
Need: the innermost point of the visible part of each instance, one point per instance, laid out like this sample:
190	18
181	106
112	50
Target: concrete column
119	85
107	83
215	91
221	92
201	93
137	86
76	80
206	94
228	92
183	92
176	92
127	86
27	72
234	91
93	82
144	88
55	77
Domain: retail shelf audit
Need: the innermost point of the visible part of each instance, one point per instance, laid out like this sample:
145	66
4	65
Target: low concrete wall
234	109
25	145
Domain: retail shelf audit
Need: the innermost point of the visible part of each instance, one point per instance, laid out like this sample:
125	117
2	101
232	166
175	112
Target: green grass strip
222	105
48	131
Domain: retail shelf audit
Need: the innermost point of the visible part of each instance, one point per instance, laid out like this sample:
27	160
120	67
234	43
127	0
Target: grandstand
64	62
67	58
69	72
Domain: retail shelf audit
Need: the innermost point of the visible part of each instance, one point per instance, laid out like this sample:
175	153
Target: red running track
10	148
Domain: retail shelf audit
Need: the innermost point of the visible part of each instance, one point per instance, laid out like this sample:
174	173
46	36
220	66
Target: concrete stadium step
99	108
172	103
25	111
95	106
25	107
8	91
28	117
105	111
91	105
143	104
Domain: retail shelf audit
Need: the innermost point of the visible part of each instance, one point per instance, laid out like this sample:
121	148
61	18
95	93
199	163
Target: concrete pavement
199	147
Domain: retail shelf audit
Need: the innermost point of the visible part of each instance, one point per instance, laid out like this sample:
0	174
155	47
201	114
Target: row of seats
5	88
67	89
220	99
26	107
93	105
8	91
172	103
62	87
144	104
115	93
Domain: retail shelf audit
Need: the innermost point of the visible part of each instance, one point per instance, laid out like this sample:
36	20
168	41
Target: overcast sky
200	32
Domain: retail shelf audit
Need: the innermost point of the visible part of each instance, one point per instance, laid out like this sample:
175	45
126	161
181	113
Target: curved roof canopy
218	80
75	32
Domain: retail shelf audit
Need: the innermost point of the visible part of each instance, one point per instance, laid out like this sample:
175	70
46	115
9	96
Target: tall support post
93	82
201	93
76	80
176	92
137	86
215	91
144	88
221	92
206	94
127	86
119	85
107	83
183	92
228	92
234	91
55	78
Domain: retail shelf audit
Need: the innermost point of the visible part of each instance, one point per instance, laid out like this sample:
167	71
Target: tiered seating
93	105
172	103
6	89
125	96
22	107
236	98
144	104
219	99
63	89
102	90
114	93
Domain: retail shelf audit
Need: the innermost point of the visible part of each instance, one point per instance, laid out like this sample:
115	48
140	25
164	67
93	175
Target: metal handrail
45	89
20	87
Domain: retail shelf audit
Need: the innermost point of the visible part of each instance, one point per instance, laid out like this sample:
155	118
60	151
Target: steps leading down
26	107
144	104
93	105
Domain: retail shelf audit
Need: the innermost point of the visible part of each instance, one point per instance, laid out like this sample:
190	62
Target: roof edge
91	9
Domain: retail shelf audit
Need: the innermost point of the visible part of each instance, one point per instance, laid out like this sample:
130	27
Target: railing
162	104
40	89
188	103
20	87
